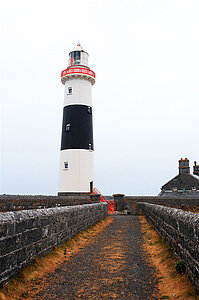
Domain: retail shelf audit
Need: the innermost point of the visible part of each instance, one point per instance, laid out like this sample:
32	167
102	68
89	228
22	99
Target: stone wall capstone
27	234
181	230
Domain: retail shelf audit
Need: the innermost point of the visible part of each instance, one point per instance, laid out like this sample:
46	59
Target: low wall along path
26	234
181	230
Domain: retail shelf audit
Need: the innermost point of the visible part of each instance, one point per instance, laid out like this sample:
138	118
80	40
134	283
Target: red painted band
77	71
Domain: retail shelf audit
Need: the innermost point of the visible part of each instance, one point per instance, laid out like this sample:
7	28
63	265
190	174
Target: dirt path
113	266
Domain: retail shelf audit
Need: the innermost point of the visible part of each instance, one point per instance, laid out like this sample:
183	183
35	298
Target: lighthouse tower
77	151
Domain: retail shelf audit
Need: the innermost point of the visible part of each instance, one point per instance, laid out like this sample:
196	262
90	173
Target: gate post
119	200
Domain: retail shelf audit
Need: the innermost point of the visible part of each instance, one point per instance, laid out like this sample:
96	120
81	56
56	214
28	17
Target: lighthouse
76	174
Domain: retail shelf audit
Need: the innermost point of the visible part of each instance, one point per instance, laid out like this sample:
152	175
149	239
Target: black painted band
77	127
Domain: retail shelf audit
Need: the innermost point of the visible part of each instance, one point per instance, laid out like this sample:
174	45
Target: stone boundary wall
27	234
181	230
129	203
123	203
20	202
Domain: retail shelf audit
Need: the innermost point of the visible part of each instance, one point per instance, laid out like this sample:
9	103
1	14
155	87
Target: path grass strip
171	284
20	287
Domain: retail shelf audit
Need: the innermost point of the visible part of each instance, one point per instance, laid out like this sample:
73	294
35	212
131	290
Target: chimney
196	169
184	166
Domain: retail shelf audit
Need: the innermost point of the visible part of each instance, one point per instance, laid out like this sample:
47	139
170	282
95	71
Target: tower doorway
91	187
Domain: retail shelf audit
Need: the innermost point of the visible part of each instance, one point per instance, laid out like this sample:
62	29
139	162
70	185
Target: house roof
182	181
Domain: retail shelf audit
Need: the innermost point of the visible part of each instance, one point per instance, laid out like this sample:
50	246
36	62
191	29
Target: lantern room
78	57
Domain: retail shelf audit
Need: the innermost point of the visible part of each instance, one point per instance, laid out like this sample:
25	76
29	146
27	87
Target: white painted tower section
77	157
80	171
81	92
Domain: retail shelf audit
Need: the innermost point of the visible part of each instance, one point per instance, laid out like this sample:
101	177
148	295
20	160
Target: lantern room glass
74	58
78	58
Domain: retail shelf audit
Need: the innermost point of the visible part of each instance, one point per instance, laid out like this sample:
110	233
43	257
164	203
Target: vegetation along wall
181	230
26	234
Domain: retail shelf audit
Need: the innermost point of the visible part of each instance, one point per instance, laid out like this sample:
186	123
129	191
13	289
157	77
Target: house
184	184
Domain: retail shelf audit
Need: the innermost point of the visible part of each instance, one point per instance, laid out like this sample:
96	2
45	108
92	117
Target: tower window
70	90
66	165
67	127
89	110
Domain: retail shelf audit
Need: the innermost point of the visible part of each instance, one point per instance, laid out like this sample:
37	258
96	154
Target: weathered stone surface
29	233
20	202
119	201
130	203
181	230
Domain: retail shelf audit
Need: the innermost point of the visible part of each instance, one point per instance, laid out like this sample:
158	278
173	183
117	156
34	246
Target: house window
67	127
175	189
89	110
70	90
193	188
66	165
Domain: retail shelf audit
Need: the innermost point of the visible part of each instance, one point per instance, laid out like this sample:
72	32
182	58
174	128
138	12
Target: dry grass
19	286
171	284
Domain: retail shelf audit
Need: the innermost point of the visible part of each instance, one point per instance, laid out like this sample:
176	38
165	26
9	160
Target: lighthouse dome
78	56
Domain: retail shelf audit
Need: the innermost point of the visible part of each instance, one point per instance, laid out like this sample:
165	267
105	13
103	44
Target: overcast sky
145	100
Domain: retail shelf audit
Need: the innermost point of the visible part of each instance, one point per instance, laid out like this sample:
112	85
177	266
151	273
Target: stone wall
129	203
19	202
27	234
181	230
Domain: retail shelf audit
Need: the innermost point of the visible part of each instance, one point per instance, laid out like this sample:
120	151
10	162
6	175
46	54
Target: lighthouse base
76	172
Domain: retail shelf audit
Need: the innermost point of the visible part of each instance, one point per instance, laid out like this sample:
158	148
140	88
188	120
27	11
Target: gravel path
112	266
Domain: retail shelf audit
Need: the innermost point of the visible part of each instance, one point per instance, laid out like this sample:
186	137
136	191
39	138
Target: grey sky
146	97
